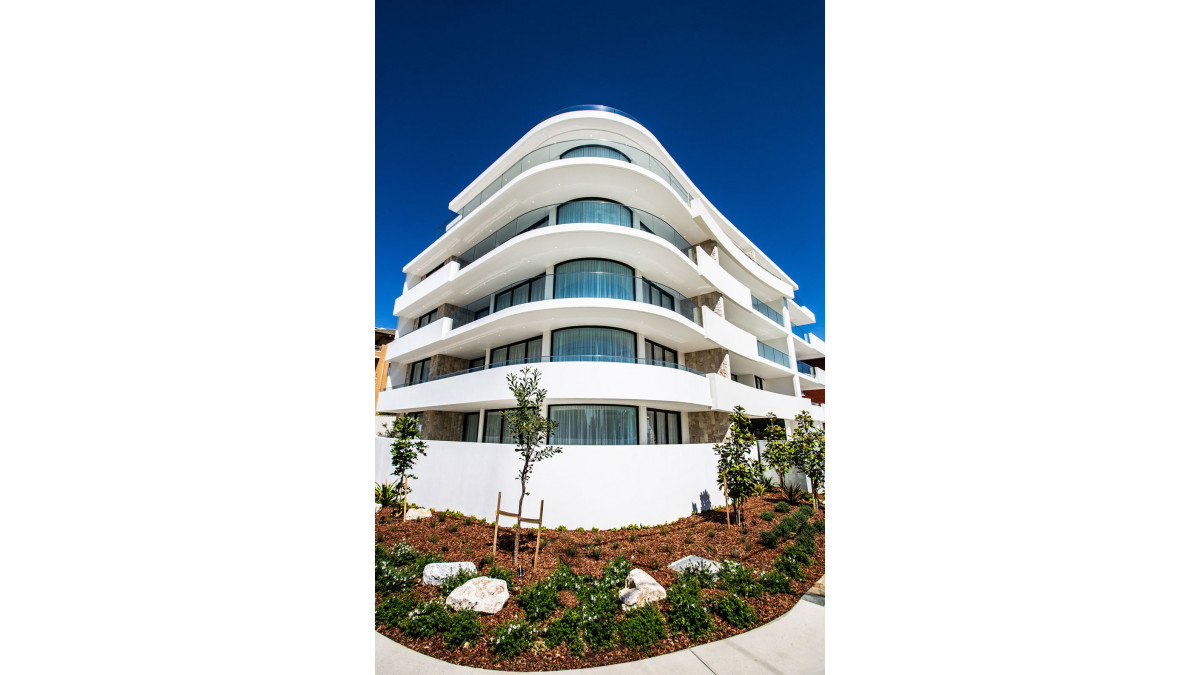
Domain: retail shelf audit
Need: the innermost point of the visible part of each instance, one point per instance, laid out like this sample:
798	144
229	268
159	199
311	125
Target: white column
684	434
640	346
637	286
479	430
546	342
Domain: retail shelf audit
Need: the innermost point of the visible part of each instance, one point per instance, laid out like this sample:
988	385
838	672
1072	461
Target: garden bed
588	555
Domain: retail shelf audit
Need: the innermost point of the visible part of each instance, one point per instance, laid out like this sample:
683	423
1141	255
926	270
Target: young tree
531	431
734	466
405	448
777	455
808	452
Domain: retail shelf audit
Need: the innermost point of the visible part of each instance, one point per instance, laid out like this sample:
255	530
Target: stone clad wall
441	425
710	247
441	364
709	361
446	310
711	426
714	301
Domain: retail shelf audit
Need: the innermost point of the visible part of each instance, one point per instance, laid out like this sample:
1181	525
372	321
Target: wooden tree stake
496	528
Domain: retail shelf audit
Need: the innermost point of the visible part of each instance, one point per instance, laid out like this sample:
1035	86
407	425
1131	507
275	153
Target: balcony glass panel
594	151
593	343
771	354
766	310
595	211
593	279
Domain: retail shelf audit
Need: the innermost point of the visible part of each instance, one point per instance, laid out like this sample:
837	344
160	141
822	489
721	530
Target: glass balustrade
766	310
588	358
772	354
555	151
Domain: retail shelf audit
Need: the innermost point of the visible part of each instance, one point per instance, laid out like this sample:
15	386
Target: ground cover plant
566	614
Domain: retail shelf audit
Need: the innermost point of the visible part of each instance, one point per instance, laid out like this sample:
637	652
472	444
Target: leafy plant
614	573
791	562
441	517
776	582
777	453
807	448
565	630
633	537
561	528
820	525
425	619
791	492
615	546
712	533
406	447
768	538
433	538
735	611
539	601
781	507
739	580
387	494
642	628
392	610
400	568
572	550
641	550
512	638
502	574
594	553
459	628
531	430
688	614
597	608
767	515
734	467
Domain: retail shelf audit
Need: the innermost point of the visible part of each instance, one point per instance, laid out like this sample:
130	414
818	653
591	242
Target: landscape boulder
640	588
481	594
691	561
417	514
435	573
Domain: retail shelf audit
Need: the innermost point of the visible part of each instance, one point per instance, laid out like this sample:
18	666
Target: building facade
585	251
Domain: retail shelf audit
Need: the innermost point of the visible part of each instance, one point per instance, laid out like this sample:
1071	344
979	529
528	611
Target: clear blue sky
735	91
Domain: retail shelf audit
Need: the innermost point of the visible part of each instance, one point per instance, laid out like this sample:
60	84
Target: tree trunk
520	506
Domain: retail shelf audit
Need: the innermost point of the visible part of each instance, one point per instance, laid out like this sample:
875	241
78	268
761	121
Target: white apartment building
586	252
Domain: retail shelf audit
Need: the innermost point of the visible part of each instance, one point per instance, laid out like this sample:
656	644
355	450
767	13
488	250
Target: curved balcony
598	108
606	285
580	211
555	151
584	358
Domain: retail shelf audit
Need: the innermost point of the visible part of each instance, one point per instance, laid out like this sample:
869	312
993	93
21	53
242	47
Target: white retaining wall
586	486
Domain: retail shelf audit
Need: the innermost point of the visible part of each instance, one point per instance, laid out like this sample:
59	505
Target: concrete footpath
793	644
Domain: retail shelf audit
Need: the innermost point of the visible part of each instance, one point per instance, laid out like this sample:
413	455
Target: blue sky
735	91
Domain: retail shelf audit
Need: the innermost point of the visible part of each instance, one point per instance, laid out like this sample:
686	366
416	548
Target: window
662	427
733	377
594	424
656	295
594	151
593	279
426	318
526	351
495	428
592	210
530	290
758	382
418	372
476	363
660	354
470	427
593	343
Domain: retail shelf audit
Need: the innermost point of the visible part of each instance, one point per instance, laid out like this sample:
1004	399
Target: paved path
793	644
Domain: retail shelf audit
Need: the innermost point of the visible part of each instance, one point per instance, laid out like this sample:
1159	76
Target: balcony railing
578	285
766	310
771	354
601	108
586	358
604	213
552	152
805	369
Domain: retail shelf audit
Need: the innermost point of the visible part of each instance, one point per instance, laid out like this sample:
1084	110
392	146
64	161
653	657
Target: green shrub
594	553
455	580
615	546
563	579
739	580
768	538
614	573
565	630
767	515
571	551
642	628
579	529
698	576
561	528
642	550
688	614
712	533
820	525
461	627
425	619
791	562
501	573
633	537
441	516
454	528
598	606
487	559
781	507
512	638
387	494
776	582
539	601
400	568
598	539
394	609
735	611
433	538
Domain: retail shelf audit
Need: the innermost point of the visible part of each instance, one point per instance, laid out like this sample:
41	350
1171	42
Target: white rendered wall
586	486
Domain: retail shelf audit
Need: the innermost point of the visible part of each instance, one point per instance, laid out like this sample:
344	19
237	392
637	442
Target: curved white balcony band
554	152
726	394
532	252
560	182
568	382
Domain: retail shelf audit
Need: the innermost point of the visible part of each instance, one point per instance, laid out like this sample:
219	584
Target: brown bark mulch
650	549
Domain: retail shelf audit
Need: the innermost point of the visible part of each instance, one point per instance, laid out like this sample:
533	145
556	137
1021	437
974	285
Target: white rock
417	514
695	561
640	588
435	573
481	594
